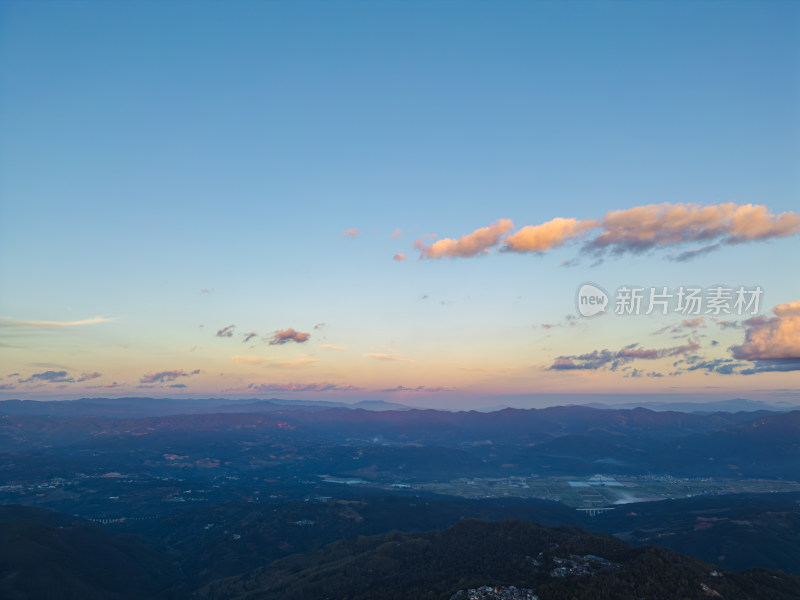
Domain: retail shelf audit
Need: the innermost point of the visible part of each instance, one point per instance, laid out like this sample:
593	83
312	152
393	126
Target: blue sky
151	151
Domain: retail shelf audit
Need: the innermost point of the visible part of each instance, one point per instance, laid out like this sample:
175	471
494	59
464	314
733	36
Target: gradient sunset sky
397	200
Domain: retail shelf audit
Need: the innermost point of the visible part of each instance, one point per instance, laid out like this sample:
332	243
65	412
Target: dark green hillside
435	565
45	555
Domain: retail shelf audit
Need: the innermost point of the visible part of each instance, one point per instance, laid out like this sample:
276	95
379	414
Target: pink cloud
88	376
400	256
288	335
644	227
353	232
226	331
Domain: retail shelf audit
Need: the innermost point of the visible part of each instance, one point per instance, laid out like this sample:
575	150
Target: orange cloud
472	244
772	338
537	238
400	256
353	232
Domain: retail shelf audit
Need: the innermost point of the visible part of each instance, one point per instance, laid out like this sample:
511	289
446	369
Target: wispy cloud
7	386
601	359
273	361
569	321
685	325
301	387
49	377
489	370
723	366
387	357
397	233
400	256
693	253
8	322
353	232
249	336
728	324
108	386
319	325
226	331
89	376
285	336
333	347
297	362
417	390
252	360
166	376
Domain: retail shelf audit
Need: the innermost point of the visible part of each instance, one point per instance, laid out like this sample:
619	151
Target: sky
400	201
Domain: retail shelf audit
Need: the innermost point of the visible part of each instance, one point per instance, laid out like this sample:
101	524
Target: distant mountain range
433	444
733	405
157	407
154	407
